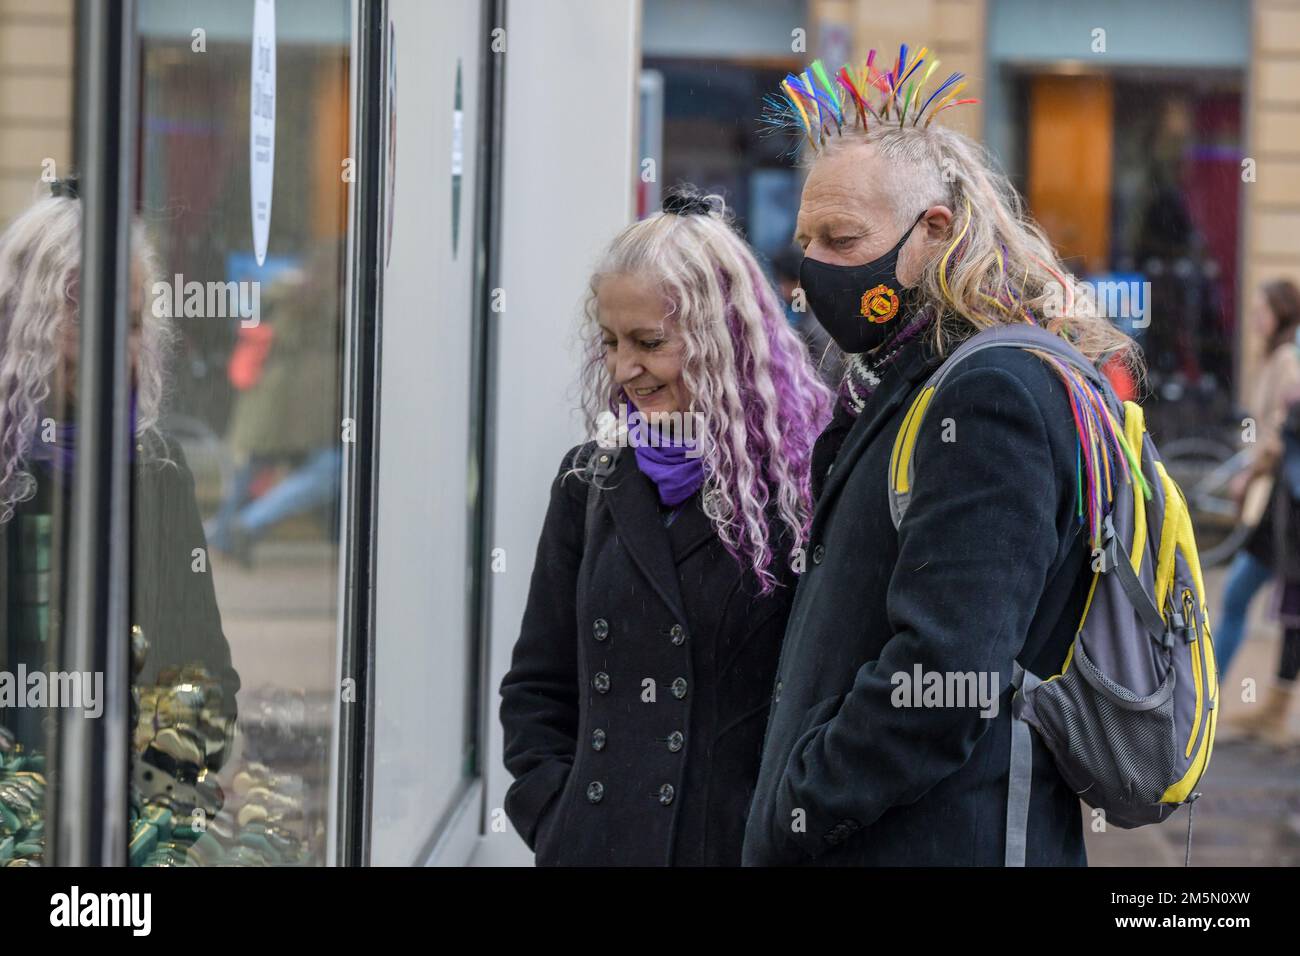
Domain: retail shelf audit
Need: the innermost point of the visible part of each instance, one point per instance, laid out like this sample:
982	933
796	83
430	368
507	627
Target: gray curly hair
40	264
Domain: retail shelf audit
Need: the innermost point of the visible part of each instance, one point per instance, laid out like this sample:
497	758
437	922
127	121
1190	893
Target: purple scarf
61	453
676	474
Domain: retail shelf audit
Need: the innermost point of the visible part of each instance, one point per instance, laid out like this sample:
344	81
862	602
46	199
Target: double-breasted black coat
173	600
636	701
987	567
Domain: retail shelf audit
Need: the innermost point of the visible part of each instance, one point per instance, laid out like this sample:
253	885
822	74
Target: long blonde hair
753	389
40	264
1000	267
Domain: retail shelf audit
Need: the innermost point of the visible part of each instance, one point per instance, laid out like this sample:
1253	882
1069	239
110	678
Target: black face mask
859	306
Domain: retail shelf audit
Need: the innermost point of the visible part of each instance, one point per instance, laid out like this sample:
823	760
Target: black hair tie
687	204
67	188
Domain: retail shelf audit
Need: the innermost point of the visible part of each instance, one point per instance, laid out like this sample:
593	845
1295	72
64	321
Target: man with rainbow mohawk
889	739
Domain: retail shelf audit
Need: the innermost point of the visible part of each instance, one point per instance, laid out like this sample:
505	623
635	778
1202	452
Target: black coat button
600	628
601	682
679	688
842	831
678	633
598	739
819	552
666	794
675	740
595	791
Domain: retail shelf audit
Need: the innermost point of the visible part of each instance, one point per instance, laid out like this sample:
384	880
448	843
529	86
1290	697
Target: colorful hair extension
1103	456
943	263
820	104
1067	287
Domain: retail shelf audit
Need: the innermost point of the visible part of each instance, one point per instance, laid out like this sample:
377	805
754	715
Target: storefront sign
261	125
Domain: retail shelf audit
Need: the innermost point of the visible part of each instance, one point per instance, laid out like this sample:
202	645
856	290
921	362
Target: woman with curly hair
635	705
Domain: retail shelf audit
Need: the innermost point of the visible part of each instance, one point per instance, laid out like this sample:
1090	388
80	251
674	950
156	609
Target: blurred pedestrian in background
1276	315
282	369
1266	720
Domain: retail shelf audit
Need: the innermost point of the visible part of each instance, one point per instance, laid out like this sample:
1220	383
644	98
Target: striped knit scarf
863	370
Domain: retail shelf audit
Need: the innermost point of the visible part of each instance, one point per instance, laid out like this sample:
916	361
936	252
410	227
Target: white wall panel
421	647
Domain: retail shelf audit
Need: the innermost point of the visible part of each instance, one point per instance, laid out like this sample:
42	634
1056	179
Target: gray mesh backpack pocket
1118	744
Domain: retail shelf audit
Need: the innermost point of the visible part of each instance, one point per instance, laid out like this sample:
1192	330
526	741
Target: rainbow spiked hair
821	106
999	267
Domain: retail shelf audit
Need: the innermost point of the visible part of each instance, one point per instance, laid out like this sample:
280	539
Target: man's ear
937	221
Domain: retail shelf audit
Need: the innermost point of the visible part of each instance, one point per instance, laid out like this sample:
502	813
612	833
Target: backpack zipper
1198	676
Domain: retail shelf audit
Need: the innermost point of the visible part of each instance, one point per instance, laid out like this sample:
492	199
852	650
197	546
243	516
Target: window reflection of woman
40	255
176	623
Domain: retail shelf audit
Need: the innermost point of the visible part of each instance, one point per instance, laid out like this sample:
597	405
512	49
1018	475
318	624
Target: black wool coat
988	567
173	600
635	704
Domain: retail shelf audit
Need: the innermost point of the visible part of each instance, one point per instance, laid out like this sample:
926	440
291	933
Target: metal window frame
352	806
483	383
89	807
449	841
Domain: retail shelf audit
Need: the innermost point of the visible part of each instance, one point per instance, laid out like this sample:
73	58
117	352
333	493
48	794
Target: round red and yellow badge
879	304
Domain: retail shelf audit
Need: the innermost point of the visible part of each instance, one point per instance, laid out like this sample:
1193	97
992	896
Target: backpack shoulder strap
901	468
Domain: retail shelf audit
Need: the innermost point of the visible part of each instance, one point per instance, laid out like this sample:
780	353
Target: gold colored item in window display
183	734
22	802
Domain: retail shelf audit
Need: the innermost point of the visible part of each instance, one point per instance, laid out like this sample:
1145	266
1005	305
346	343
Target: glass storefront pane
244	117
